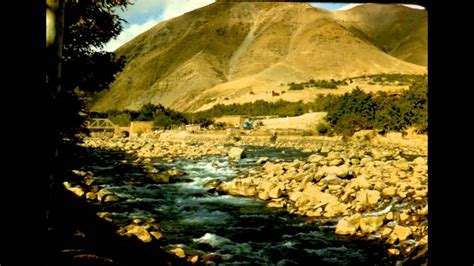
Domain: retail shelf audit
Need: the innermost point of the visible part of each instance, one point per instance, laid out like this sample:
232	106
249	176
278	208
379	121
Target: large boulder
102	193
272	167
420	161
236	153
332	180
315	158
399	233
371	224
402	164
77	190
175	172
179	252
348	225
389	191
275	193
111	198
139	231
160	178
262	160
335	208
91	195
214	183
368	197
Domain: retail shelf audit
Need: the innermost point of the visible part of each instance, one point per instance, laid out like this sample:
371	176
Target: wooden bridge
105	125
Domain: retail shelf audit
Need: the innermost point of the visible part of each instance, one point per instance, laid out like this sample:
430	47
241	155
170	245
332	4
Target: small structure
231	120
192	128
139	127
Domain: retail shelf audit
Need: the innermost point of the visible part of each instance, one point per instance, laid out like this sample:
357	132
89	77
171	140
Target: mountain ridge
226	50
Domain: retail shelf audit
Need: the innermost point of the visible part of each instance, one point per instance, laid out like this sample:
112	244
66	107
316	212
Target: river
242	231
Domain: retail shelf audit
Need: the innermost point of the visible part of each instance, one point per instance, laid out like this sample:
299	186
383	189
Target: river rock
335	208
272	167
348	225
393	252
294	196
420	161
368	197
371	224
365	160
102	193
105	215
175	172
399	232
402	164
236	153
77	190
315	158
160	178
179	252
423	211
91	195
389	191
331	180
355	161
308	179
404	217
214	183
386	232
276	204
262	160
359	182
263	195
136	230
275	193
111	198
156	234
266	185
336	162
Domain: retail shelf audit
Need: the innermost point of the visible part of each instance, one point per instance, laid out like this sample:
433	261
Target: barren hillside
227	51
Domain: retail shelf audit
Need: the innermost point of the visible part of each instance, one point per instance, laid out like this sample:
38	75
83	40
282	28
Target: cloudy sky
144	14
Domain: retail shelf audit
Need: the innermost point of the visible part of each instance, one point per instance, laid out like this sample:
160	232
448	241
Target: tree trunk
54	45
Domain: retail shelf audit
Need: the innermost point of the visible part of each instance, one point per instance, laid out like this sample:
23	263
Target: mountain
228	50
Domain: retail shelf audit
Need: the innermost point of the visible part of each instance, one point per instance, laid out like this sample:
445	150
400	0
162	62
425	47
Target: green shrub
294	87
322	128
351	123
122	119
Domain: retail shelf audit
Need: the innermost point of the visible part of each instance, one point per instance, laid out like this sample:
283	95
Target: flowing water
242	231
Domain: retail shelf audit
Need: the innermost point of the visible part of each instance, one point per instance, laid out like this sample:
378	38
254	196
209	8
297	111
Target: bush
322	128
294	87
351	123
122	119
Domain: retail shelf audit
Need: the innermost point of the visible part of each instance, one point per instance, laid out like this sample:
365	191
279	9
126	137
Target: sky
144	14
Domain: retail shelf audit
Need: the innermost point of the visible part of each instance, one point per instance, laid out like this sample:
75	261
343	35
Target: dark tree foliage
161	116
356	103
358	110
89	25
257	108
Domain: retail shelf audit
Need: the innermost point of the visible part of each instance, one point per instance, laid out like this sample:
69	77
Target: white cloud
151	12
177	8
129	33
414	6
349	6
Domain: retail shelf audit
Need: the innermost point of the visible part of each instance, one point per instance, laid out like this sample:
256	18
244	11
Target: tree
75	29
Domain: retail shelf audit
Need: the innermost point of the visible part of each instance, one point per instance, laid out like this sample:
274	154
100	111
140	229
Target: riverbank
370	186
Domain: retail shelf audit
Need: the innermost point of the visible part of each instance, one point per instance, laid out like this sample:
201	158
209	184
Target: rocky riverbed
369	186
